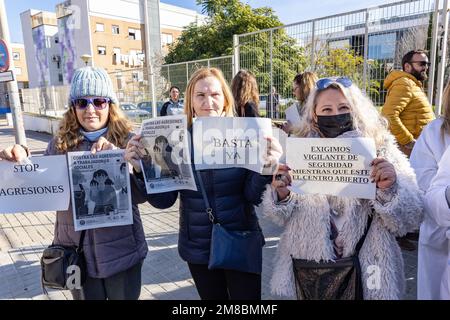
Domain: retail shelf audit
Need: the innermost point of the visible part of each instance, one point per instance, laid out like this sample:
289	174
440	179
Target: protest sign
166	164
339	167
41	184
100	185
230	142
292	115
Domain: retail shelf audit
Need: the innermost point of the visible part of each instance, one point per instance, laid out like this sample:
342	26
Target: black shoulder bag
233	249
339	280
62	265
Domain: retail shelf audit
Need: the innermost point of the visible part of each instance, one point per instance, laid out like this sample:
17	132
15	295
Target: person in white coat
430	158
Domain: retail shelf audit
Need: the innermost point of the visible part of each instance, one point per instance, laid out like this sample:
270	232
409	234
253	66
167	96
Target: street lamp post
86	58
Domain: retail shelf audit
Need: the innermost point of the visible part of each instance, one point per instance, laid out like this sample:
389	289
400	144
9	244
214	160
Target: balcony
63	9
43	18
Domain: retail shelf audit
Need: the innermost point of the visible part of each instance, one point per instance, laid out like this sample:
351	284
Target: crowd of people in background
410	172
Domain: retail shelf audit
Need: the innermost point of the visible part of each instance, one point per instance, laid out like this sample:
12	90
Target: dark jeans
223	284
125	285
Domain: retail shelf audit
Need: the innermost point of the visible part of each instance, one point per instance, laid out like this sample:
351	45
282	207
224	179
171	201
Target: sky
289	11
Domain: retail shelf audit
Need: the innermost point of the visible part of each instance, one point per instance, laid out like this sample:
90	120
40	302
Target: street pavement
165	275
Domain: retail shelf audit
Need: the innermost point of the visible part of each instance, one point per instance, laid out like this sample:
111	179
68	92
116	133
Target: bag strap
208	210
361	241
80	244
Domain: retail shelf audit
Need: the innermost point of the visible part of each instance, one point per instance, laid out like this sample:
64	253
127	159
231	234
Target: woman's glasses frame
324	83
99	103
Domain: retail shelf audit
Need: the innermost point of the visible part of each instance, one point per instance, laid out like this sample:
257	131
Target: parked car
133	112
147	106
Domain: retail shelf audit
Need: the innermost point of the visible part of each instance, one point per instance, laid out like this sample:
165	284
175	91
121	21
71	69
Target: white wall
82	35
40	123
173	17
127	10
25	19
53	49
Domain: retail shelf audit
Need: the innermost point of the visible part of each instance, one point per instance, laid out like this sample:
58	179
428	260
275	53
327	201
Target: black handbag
233	249
328	280
63	267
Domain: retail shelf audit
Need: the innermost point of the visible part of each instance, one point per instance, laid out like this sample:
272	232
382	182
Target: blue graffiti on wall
67	48
41	56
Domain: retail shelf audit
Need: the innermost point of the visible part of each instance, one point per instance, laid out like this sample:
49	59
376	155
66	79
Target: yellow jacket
406	106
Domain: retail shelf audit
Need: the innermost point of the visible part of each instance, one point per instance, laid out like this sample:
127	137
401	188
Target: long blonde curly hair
69	137
366	118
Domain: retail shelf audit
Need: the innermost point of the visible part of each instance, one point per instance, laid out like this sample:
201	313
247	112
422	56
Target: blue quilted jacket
232	194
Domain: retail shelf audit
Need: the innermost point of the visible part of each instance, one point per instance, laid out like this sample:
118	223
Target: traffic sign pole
13	89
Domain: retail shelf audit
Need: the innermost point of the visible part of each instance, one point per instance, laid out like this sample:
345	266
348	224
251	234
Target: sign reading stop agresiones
4	56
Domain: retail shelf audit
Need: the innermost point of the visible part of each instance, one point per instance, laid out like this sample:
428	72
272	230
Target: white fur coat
306	235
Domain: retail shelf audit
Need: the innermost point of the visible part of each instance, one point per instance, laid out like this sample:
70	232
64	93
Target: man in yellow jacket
408	110
406	106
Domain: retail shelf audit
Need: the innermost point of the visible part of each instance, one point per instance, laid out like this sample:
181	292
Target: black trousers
125	285
220	284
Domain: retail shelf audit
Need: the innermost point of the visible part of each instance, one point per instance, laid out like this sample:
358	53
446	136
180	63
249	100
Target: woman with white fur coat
337	108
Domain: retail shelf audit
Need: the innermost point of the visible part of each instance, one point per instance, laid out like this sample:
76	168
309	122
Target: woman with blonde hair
430	158
114	255
231	193
246	94
302	86
322	229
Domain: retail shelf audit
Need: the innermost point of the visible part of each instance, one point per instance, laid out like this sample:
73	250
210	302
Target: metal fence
364	45
133	87
49	101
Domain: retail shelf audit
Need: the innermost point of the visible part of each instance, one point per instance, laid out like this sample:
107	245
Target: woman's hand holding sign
134	152
15	153
383	173
272	157
281	181
102	144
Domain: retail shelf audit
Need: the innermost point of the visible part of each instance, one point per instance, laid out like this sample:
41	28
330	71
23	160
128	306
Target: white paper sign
166	164
101	194
40	185
292	115
221	142
339	167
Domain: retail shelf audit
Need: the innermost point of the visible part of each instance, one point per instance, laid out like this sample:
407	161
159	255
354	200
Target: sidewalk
164	274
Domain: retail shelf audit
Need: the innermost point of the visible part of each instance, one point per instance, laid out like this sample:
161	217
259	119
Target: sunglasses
324	83
422	63
98	103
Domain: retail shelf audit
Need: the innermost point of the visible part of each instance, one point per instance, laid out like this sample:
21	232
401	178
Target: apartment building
106	33
20	65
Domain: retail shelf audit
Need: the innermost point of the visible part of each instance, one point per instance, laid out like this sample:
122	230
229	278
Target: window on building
382	46
60	77
18	71
116	56
101	50
99	27
115	29
166	38
16	56
134	34
56	39
119	79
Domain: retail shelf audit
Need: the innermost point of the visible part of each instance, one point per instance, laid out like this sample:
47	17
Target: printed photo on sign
40	184
338	167
230	142
100	189
166	162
